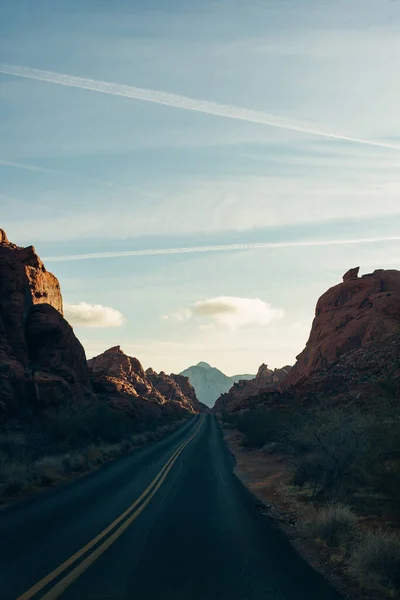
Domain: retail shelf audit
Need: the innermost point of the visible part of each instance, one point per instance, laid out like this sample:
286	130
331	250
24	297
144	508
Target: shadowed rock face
266	380
123	380
34	337
56	358
189	391
349	316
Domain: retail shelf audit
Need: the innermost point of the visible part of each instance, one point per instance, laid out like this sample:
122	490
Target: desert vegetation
64	445
344	461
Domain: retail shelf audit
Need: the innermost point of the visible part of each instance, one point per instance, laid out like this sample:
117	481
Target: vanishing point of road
170	521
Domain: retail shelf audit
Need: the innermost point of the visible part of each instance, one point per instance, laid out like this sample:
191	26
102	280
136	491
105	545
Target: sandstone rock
3	237
190	393
359	375
169	389
351	274
242	393
38	349
56	359
122	380
349	316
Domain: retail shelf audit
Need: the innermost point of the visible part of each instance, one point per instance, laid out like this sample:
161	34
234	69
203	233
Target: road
170	521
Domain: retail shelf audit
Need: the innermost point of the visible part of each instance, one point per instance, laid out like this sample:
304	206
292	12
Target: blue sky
95	173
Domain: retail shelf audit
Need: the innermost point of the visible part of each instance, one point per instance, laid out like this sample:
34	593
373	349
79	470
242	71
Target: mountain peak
204	365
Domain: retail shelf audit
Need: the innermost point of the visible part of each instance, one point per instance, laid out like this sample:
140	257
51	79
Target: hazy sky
84	172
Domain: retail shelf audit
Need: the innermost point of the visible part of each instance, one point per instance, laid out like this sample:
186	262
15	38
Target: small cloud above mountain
232	312
92	315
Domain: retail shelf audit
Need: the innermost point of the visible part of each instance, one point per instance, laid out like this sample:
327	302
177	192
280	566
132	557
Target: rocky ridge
242	392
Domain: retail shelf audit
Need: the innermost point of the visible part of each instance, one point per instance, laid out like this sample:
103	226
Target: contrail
203	106
73	175
19	165
220	248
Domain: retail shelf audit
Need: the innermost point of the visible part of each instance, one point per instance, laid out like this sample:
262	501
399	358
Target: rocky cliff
189	391
41	360
352	354
121	380
348	316
241	393
171	388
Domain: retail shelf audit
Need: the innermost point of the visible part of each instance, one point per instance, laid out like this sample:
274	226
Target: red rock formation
122	380
35	339
168	387
190	393
367	372
176	388
242	392
349	316
57	359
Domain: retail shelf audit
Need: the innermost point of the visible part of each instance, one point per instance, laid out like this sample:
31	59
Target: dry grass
375	562
336	525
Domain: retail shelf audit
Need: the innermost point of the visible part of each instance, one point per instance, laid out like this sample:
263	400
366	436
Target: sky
198	173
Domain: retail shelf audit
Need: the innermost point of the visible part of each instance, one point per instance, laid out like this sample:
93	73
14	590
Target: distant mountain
210	382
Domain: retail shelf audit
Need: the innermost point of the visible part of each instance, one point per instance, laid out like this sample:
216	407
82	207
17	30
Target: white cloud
232	312
92	315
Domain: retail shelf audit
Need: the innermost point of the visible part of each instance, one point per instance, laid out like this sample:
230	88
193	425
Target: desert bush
95	455
375	563
74	462
15	477
335	524
49	469
327	445
262	426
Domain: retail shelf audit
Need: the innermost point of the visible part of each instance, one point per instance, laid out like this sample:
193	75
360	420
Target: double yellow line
139	504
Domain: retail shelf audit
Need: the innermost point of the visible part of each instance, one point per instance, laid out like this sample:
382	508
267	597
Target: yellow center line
57	590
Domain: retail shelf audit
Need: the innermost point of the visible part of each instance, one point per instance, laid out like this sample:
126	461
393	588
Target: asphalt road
194	534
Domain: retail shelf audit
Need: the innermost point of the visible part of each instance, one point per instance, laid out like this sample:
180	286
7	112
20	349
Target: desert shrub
74	462
262	426
327	445
15	477
95	455
376	561
139	439
49	469
335	524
